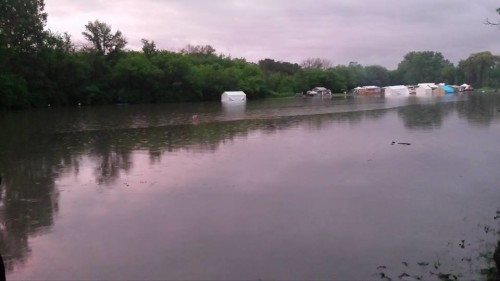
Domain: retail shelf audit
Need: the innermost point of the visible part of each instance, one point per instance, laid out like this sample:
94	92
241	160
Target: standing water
277	189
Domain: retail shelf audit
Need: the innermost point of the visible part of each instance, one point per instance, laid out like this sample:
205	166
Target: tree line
39	67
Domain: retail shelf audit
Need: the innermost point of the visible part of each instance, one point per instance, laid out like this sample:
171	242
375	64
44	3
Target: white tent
397	91
464	87
424	90
432	85
233	96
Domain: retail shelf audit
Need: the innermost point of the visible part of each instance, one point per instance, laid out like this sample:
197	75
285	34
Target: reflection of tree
111	156
32	156
421	116
479	110
29	201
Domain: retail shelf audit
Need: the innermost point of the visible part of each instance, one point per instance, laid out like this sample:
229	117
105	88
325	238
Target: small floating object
402	143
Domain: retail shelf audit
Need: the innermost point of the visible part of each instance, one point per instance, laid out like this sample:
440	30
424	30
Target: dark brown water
277	189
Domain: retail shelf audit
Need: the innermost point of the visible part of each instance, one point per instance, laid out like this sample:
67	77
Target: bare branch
488	22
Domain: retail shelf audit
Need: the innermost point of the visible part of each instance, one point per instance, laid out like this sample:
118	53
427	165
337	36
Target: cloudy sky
369	31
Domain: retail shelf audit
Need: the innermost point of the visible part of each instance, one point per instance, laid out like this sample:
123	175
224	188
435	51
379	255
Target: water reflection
29	201
37	147
234	110
422	116
480	110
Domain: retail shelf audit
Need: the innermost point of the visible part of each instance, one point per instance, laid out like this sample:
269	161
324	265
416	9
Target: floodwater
282	189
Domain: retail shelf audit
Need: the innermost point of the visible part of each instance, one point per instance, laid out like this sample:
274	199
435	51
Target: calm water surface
277	189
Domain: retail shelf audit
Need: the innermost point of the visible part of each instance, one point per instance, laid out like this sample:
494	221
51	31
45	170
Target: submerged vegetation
39	68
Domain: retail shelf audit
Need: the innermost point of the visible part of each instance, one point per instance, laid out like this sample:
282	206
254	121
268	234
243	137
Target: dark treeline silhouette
40	68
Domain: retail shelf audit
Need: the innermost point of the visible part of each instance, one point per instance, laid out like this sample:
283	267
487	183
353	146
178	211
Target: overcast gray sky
369	32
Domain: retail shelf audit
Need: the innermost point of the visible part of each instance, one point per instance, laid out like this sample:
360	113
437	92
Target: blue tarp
447	89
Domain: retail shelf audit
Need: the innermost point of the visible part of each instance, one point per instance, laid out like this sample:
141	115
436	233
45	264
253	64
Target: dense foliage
38	67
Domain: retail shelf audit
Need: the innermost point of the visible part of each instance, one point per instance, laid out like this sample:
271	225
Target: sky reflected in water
281	189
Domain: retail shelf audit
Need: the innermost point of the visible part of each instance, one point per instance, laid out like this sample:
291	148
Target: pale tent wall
432	85
435	89
424	90
397	91
438	91
233	96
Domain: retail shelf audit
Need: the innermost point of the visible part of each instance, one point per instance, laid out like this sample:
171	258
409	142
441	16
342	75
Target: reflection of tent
397	91
424	90
234	96
234	109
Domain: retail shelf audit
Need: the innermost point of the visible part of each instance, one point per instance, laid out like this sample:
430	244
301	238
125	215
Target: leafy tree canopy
480	68
424	66
22	23
102	39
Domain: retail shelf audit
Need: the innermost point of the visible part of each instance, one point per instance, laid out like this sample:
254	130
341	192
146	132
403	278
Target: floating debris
462	244
437	265
447	277
385	277
403	275
382	267
402	143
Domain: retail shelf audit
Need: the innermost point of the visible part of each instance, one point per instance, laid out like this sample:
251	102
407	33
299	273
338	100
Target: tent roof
234	93
397	87
424	86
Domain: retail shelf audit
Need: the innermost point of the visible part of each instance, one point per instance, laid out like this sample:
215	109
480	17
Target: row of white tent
421	90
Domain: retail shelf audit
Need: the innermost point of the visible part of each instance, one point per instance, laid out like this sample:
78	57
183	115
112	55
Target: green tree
149	48
178	80
136	79
272	66
376	75
198	50
22	23
103	41
480	69
21	40
427	66
316	63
